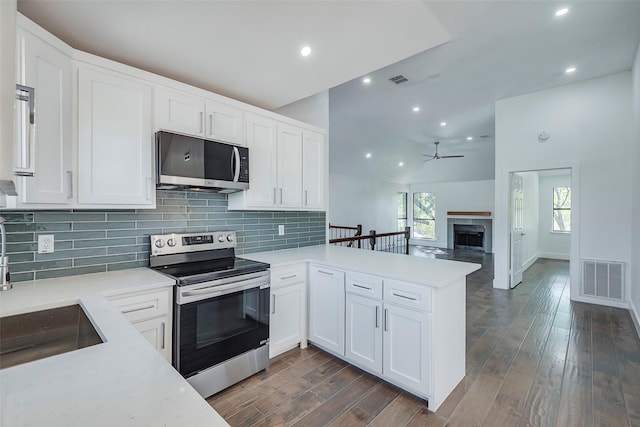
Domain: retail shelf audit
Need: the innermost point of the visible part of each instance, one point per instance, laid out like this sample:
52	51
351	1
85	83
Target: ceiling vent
398	79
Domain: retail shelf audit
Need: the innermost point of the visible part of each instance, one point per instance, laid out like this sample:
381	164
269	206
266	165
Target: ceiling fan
436	156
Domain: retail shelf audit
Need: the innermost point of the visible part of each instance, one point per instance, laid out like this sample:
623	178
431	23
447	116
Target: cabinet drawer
407	295
364	284
144	306
286	276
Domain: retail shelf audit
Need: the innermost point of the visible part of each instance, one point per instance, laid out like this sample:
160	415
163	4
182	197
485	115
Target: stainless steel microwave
185	162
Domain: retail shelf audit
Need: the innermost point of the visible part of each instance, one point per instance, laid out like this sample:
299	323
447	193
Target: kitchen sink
40	334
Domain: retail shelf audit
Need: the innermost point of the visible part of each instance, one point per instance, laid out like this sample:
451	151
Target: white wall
531	218
551	245
635	248
313	110
453	196
590	124
355	201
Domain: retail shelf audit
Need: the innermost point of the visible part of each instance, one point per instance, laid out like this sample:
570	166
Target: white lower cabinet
326	308
150	313
405	347
364	332
288	309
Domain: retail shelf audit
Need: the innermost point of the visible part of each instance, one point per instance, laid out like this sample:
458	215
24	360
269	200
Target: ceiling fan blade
449	157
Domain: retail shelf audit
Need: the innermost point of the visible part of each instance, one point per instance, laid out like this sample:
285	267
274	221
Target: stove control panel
177	243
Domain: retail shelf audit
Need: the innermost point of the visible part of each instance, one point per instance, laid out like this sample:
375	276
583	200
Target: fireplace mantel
470	214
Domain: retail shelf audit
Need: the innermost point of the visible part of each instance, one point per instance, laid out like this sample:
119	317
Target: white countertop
425	271
122	382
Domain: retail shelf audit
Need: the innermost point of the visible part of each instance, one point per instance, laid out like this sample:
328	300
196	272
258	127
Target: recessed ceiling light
416	109
368	155
366	80
469	138
401	164
562	11
570	70
443	123
306	51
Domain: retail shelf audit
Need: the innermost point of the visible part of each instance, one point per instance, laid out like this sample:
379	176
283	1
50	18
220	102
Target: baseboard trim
530	262
636	318
553	255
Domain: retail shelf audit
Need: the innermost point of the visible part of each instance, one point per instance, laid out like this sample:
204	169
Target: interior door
516	235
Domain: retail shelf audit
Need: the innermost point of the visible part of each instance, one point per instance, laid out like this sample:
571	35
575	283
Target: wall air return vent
398	79
603	279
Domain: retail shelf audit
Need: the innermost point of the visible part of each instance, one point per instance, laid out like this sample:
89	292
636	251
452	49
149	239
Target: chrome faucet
5	282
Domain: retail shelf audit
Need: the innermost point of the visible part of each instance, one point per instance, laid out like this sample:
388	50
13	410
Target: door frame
511	231
501	226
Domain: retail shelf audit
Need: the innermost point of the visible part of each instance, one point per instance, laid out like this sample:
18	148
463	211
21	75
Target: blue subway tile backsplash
97	241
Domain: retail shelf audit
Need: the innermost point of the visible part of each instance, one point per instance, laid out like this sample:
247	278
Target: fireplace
468	236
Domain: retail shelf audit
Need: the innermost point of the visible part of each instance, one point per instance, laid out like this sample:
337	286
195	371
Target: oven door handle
219	290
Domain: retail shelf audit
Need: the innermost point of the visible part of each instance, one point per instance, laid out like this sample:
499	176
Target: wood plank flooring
534	358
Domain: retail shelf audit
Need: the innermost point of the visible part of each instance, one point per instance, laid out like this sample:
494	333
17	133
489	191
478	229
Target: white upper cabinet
115	139
262	144
289	182
180	112
44	147
193	115
314	170
224	123
287	167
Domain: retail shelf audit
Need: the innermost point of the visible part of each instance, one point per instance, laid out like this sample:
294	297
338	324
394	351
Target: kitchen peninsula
399	317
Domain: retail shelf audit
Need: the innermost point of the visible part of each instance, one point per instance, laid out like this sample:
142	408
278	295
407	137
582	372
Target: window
561	209
424	216
402	211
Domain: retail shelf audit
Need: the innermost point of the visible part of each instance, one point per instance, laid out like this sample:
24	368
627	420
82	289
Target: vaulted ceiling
459	58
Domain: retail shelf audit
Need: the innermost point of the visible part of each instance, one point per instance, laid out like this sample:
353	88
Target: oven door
219	320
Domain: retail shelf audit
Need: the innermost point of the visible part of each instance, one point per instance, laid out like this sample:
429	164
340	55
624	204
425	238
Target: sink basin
40	334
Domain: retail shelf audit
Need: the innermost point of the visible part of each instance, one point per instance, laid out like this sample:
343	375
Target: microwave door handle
235	158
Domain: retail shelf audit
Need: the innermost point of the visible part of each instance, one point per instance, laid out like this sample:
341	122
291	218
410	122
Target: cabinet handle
386	319
305	198
377	316
273	304
289	277
325	272
27	129
162	331
210	124
133	310
149	187
201	122
360	286
405	297
280	195
70	178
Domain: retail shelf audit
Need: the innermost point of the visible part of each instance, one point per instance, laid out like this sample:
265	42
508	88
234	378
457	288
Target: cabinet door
289	167
262	143
314	170
326	308
406	347
180	112
158	332
364	332
286	319
48	70
224	123
115	140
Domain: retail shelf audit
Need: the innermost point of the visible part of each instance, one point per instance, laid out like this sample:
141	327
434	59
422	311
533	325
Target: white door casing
516	234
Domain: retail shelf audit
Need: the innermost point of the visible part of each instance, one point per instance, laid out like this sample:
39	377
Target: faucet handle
5	278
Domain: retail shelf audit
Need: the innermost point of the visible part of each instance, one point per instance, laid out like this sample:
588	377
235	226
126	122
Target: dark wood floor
534	358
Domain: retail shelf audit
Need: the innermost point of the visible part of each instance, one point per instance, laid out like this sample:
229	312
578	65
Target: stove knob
220	238
229	237
171	242
159	243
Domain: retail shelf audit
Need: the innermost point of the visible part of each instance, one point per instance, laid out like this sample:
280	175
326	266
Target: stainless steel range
221	311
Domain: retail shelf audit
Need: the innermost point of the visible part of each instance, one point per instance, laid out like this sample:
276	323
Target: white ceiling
249	50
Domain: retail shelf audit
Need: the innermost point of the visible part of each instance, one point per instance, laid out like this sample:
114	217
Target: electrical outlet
45	243
281	230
